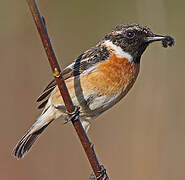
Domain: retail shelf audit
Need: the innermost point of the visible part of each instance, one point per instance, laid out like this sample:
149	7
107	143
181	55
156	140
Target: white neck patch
118	51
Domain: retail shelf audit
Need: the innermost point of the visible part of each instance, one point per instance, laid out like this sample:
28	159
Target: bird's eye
130	34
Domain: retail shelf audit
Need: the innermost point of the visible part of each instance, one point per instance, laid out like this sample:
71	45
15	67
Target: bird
97	80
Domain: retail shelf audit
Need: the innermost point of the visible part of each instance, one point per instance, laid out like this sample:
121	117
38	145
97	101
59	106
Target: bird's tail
33	133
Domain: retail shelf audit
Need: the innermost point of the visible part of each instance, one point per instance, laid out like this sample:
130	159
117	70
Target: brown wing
82	63
66	73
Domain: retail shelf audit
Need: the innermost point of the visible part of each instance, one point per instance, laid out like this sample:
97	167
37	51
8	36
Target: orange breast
112	76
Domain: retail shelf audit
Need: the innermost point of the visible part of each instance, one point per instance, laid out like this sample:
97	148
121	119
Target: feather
82	63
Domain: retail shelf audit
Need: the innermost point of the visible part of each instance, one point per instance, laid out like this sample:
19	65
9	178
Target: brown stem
41	27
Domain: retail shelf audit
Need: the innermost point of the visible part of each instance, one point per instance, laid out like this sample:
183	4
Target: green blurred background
141	138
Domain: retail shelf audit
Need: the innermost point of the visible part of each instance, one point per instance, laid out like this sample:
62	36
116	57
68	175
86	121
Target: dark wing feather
51	84
45	93
66	73
42	105
82	63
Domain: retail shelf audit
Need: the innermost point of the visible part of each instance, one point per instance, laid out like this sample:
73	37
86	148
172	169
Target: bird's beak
166	40
155	38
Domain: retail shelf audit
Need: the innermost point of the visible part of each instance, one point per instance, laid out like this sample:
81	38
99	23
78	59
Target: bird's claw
103	174
72	116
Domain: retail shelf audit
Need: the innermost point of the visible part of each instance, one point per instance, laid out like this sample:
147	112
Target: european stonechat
98	79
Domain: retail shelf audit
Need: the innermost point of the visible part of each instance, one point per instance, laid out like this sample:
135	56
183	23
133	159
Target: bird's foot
103	174
72	116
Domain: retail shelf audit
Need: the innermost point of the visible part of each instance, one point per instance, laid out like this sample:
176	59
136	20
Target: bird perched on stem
96	80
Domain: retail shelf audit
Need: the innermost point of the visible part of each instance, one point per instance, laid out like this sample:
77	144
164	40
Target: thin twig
87	145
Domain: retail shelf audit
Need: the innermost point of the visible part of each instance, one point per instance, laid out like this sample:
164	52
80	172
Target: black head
134	39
